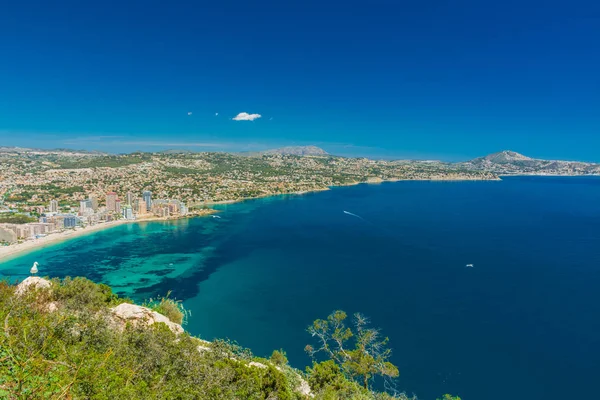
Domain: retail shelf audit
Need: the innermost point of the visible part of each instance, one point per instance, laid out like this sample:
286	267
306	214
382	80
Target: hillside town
54	218
43	192
35	179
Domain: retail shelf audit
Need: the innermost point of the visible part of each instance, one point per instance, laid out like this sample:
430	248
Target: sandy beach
34	244
28	245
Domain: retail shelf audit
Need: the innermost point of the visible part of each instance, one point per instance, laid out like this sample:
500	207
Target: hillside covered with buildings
59	189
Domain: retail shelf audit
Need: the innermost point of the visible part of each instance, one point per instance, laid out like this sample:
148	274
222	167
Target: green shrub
13	218
170	308
81	293
359	351
279	357
328	382
73	352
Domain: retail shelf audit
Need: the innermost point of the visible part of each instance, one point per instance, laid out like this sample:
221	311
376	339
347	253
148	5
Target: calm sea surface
524	323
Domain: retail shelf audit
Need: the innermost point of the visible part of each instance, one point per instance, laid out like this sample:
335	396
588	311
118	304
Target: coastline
264	196
15	250
551	175
53	238
375	181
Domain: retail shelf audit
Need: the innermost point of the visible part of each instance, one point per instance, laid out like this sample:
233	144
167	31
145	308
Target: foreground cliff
74	339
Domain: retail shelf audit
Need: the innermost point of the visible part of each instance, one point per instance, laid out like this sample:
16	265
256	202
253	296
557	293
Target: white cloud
244	116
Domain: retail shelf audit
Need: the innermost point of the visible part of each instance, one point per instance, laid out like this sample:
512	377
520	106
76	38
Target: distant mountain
292	150
511	163
506	156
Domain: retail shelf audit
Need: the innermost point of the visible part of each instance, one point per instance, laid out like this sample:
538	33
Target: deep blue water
524	323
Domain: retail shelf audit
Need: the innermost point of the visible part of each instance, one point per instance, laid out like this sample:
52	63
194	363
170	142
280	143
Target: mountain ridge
505	162
508	162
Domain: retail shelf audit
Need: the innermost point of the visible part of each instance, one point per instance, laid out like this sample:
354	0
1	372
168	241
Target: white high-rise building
127	212
53	206
86	207
83	206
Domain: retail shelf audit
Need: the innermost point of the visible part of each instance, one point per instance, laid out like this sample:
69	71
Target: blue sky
442	79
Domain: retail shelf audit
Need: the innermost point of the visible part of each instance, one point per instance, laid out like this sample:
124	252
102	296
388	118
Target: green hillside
67	341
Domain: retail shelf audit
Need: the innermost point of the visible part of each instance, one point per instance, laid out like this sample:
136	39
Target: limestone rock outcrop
30	283
136	315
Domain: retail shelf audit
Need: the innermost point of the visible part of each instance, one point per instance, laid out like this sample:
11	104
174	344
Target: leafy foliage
170	308
360	352
279	357
73	352
60	343
13	218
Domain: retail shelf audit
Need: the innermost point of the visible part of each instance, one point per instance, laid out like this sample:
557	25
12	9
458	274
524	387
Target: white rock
51	307
304	388
257	365
136	315
203	346
202	349
32	282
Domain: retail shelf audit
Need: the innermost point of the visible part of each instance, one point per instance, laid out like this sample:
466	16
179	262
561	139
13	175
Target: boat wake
371	224
354	215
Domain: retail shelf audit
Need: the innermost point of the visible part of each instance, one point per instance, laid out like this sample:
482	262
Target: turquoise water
524	320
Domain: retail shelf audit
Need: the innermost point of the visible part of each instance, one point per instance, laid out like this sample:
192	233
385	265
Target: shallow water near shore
523	320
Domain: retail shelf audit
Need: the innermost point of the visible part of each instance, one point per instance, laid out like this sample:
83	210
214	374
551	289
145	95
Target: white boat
469	265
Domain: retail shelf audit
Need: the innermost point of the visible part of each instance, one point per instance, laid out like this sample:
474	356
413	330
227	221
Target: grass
170	308
72	351
12	218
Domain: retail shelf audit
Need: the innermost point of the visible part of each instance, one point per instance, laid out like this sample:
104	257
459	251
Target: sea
522	323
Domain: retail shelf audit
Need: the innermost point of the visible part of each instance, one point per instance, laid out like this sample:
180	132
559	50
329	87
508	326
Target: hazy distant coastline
34	176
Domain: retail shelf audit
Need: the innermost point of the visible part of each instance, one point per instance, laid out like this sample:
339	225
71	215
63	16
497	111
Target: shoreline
324	189
15	250
551	175
241	200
